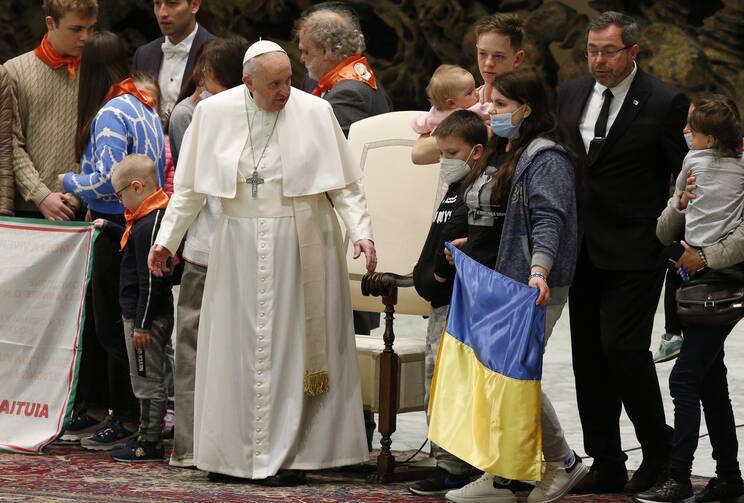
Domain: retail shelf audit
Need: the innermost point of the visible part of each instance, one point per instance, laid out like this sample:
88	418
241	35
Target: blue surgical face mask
688	139
454	170
502	124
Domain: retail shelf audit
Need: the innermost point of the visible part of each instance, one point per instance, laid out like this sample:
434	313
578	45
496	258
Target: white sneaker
483	490
557	481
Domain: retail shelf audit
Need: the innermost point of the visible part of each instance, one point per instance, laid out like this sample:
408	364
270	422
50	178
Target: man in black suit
170	58
626	128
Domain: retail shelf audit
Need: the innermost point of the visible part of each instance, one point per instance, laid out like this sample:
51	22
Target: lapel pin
635	102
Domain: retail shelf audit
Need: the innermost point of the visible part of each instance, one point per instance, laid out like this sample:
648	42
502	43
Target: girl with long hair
522	223
115	119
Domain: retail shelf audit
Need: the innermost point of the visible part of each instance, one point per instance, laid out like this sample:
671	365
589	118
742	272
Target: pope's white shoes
557	480
484	490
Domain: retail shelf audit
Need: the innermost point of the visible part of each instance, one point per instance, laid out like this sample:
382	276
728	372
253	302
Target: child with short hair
461	138
716	162
146	300
451	88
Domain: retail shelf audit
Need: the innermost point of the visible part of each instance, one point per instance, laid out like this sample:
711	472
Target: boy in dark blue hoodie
461	138
146	301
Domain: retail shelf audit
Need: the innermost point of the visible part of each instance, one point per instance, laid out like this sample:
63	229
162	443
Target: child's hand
141	339
537	280
98	223
457	243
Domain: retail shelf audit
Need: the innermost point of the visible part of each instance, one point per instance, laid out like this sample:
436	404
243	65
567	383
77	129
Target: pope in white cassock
277	387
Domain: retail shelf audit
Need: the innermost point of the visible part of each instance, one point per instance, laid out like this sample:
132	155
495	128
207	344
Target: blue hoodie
540	227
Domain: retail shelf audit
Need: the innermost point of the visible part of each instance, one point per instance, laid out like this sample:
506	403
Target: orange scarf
355	67
54	60
127	86
155	201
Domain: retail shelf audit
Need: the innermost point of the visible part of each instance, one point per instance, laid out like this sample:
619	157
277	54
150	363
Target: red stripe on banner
44	228
21	449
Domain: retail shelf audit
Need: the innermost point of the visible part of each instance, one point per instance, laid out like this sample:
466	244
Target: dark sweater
450	222
143	297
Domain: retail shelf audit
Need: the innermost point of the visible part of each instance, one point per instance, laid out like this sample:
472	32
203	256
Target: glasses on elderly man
609	53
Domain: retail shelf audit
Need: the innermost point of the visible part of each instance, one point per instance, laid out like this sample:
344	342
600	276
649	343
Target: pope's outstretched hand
157	260
368	248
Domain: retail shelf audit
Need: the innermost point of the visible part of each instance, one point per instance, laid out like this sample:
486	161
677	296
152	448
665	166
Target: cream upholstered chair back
401	197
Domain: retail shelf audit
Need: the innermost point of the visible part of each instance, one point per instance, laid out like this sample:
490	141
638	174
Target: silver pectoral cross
255	181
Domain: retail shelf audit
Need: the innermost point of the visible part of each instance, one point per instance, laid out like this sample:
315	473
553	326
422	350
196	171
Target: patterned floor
68	474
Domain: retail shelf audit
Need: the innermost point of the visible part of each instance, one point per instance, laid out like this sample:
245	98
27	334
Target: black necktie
600	127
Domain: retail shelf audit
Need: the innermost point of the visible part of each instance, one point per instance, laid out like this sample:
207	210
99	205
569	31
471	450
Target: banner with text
44	271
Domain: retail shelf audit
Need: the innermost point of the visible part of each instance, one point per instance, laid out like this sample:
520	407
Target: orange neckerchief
127	86
155	201
355	67
54	60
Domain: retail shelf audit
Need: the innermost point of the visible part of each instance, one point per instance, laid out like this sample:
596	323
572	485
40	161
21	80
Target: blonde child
451	88
146	301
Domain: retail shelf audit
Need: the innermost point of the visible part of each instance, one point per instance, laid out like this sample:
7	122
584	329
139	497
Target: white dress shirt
175	57
594	105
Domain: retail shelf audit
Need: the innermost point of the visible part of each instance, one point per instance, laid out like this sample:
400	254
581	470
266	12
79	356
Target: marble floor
558	382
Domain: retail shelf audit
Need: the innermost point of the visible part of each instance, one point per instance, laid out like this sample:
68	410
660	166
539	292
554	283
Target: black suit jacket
148	58
625	185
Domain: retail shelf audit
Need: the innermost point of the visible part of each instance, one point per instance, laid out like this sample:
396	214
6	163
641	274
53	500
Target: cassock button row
259	373
260	337
263	291
262	303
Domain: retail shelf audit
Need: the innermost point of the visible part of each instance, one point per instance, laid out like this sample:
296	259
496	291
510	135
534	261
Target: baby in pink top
450	88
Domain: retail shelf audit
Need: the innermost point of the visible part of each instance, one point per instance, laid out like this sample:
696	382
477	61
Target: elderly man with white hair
277	387
331	46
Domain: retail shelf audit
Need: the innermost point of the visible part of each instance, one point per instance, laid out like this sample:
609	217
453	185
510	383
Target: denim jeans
699	375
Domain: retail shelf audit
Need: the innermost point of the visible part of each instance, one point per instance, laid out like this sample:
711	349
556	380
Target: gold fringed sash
313	285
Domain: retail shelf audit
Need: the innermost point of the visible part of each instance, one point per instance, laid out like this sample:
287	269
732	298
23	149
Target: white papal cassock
251	415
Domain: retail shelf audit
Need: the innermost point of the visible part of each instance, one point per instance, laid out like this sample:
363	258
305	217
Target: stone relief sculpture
697	46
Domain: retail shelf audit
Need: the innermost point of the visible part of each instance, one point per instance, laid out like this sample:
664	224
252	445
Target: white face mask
688	139
454	170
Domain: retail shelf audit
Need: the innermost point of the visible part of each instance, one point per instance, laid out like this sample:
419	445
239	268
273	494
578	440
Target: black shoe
724	491
651	473
602	480
670	491
226	479
284	478
439	482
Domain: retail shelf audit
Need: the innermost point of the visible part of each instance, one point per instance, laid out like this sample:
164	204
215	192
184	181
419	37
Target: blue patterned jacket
123	126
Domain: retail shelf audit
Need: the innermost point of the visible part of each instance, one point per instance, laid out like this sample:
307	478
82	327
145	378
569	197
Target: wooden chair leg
389	389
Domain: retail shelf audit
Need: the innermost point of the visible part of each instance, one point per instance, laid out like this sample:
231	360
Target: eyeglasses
607	53
119	192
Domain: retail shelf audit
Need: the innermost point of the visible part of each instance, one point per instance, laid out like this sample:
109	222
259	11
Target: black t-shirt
449	222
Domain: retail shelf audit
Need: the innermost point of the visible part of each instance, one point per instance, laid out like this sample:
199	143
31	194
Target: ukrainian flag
484	404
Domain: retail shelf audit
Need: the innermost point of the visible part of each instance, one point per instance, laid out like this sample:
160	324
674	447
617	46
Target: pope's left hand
368	248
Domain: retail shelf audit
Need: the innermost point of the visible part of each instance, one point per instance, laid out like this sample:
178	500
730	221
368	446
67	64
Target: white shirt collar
622	88
185	43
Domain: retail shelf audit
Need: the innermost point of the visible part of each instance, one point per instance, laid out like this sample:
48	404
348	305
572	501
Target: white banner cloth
44	270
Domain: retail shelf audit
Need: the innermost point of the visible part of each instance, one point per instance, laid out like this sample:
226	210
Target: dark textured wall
695	45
